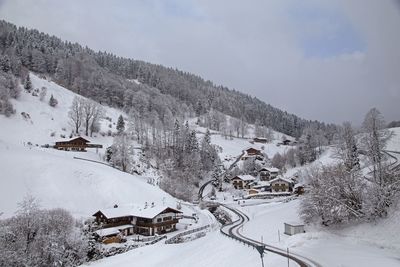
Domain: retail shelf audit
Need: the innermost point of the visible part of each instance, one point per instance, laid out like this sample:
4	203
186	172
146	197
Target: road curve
233	230
200	194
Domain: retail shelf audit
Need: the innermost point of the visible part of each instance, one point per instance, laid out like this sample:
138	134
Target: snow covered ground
394	142
359	245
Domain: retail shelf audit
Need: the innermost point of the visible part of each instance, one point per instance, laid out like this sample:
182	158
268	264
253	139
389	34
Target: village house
76	144
267	174
145	221
252	153
242	181
280	184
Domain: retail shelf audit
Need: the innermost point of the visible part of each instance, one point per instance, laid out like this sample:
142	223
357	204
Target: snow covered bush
38	237
335	195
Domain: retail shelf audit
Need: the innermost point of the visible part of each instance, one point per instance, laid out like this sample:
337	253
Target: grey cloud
251	47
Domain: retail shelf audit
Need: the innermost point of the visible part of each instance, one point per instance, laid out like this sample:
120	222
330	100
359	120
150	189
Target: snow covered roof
281	179
270	169
149	212
261	184
250	147
107	232
246	177
299	185
294	223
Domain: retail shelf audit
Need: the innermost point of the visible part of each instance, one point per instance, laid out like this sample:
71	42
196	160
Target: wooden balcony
158	224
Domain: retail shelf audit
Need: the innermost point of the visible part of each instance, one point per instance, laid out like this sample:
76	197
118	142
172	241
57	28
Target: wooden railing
158	224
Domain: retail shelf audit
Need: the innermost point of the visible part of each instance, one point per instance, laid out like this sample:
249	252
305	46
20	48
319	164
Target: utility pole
279	236
260	249
288	257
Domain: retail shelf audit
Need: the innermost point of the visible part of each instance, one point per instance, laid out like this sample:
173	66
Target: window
167	218
159	220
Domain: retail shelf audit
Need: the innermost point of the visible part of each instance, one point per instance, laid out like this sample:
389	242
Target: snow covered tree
347	149
42	94
94	123
37	237
278	161
53	102
120	124
76	113
374	140
335	195
122	152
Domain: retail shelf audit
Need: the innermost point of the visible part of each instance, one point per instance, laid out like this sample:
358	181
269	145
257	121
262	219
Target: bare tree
75	113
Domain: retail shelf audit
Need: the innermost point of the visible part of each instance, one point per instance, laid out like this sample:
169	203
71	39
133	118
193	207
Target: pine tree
120	124
53	102
28	83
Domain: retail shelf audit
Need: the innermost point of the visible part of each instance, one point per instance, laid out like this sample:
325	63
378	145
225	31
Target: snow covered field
360	245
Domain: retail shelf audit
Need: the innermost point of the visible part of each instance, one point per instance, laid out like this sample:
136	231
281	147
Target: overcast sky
325	60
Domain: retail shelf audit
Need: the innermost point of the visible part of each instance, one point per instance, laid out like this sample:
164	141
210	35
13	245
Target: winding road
233	230
221	176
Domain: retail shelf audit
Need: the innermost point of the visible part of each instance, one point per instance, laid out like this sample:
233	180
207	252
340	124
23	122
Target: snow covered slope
394	142
53	176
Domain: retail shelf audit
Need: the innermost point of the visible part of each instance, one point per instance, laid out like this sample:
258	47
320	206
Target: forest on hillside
148	90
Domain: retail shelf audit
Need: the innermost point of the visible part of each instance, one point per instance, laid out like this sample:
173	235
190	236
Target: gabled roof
246	177
281	179
248	148
270	169
107	232
79	138
148	213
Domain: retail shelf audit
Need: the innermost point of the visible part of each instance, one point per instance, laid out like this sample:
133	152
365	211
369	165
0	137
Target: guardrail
150	239
175	238
95	161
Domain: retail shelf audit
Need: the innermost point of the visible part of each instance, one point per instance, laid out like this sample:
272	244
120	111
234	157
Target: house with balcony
267	174
242	181
280	184
149	220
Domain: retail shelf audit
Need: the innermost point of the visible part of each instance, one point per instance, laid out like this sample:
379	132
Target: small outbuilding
292	228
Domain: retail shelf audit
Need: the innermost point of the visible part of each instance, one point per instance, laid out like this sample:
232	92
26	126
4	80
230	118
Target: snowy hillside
54	176
394	142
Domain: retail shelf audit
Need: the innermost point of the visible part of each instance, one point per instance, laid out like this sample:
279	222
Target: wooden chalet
252	153
144	221
267	174
76	144
280	184
242	181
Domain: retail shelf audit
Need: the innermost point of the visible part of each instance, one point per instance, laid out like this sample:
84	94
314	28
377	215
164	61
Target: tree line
111	80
